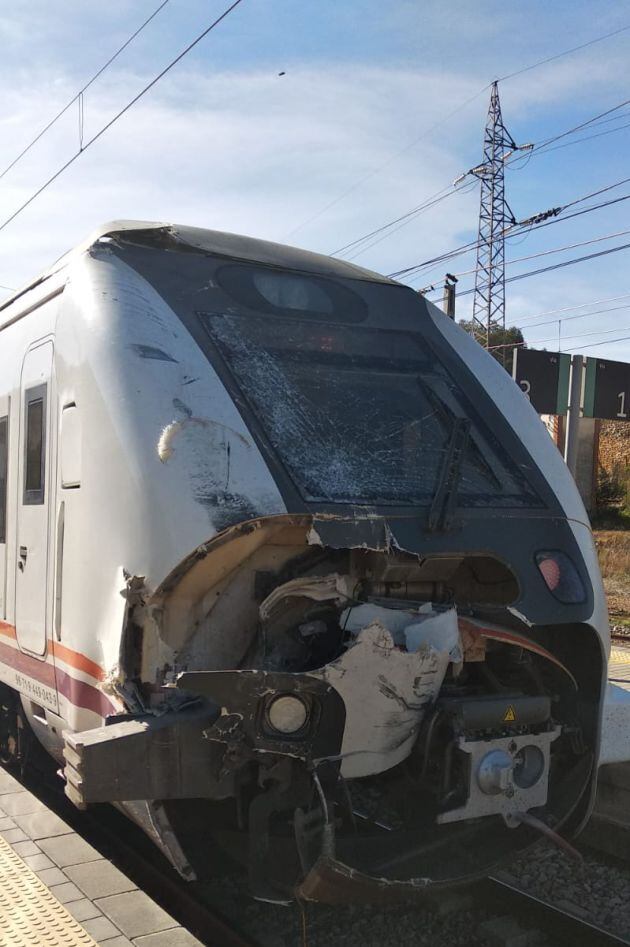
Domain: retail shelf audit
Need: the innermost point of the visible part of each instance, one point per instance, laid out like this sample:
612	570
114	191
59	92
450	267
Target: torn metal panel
360	532
152	819
475	629
246	697
326	588
330	881
385	691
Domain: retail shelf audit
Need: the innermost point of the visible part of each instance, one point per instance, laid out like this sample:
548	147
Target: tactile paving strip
619	664
30	916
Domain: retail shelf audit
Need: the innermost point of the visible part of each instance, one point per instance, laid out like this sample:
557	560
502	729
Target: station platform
56	890
619	664
609	827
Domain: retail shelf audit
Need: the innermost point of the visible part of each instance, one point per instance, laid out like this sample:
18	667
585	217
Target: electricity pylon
494	216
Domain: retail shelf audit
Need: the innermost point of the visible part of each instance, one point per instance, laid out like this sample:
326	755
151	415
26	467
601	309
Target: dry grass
613	548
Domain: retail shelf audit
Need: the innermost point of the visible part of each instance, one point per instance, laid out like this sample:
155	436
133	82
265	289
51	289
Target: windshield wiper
445	497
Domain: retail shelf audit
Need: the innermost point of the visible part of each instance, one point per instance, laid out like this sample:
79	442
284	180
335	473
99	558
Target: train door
4	470
34	479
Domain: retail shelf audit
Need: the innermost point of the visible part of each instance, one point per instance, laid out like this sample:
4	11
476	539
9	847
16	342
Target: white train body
156	528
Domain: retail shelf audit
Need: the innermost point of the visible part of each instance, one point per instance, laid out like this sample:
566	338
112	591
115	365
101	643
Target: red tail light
560	576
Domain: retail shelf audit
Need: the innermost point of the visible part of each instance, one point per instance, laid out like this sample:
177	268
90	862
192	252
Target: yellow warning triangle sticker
510	715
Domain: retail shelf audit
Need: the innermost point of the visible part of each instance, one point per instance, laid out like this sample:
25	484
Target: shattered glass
360	414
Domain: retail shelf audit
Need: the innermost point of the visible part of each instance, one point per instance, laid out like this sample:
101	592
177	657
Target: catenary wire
557	266
79	94
390	160
578	335
473	244
539	147
526	324
439	195
377	170
593	302
463	189
569	246
566	52
591	345
119	114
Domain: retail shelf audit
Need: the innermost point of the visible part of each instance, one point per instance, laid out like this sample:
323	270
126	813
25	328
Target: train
290	569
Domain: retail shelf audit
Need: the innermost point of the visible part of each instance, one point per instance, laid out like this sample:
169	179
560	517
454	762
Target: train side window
4	466
35	446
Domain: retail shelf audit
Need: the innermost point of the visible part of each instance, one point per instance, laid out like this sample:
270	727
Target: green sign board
544	379
607	389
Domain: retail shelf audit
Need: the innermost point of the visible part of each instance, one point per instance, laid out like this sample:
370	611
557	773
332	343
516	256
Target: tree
502	342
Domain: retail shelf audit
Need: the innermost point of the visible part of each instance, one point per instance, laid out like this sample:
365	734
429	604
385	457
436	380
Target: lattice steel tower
494	215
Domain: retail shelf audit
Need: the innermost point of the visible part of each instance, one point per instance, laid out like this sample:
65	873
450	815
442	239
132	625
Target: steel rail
559	926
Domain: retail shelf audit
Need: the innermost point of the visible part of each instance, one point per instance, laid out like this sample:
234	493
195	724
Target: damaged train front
375	720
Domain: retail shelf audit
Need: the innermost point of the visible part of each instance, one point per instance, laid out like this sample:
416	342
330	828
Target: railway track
557	926
117	839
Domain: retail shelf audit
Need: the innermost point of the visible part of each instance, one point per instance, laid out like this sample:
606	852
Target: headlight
287	713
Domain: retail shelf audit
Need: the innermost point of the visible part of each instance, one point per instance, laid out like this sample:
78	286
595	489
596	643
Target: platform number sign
543	377
607	389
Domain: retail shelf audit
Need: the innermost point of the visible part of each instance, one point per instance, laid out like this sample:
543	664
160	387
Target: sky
379	107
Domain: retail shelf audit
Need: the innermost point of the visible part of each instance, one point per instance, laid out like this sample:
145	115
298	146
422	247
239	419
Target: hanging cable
119	114
81	91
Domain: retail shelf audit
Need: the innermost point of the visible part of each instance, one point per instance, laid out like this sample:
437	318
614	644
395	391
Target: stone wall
614	447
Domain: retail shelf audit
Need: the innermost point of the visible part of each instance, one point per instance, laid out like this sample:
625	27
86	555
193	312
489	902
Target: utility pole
448	300
571	442
494	216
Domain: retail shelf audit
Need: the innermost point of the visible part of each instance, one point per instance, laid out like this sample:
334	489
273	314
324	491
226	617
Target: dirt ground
613	547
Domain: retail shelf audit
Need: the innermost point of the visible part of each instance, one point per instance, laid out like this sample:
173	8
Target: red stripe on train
83	695
77	692
39	670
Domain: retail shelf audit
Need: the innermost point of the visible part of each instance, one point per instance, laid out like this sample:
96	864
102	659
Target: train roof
168	236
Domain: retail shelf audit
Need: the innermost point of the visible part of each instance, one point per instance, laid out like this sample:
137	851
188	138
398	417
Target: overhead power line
569	246
558	266
513	159
79	94
554	338
624	338
438	196
593	302
389	228
566	52
576	128
525	226
374	171
119	114
583	315
381	167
